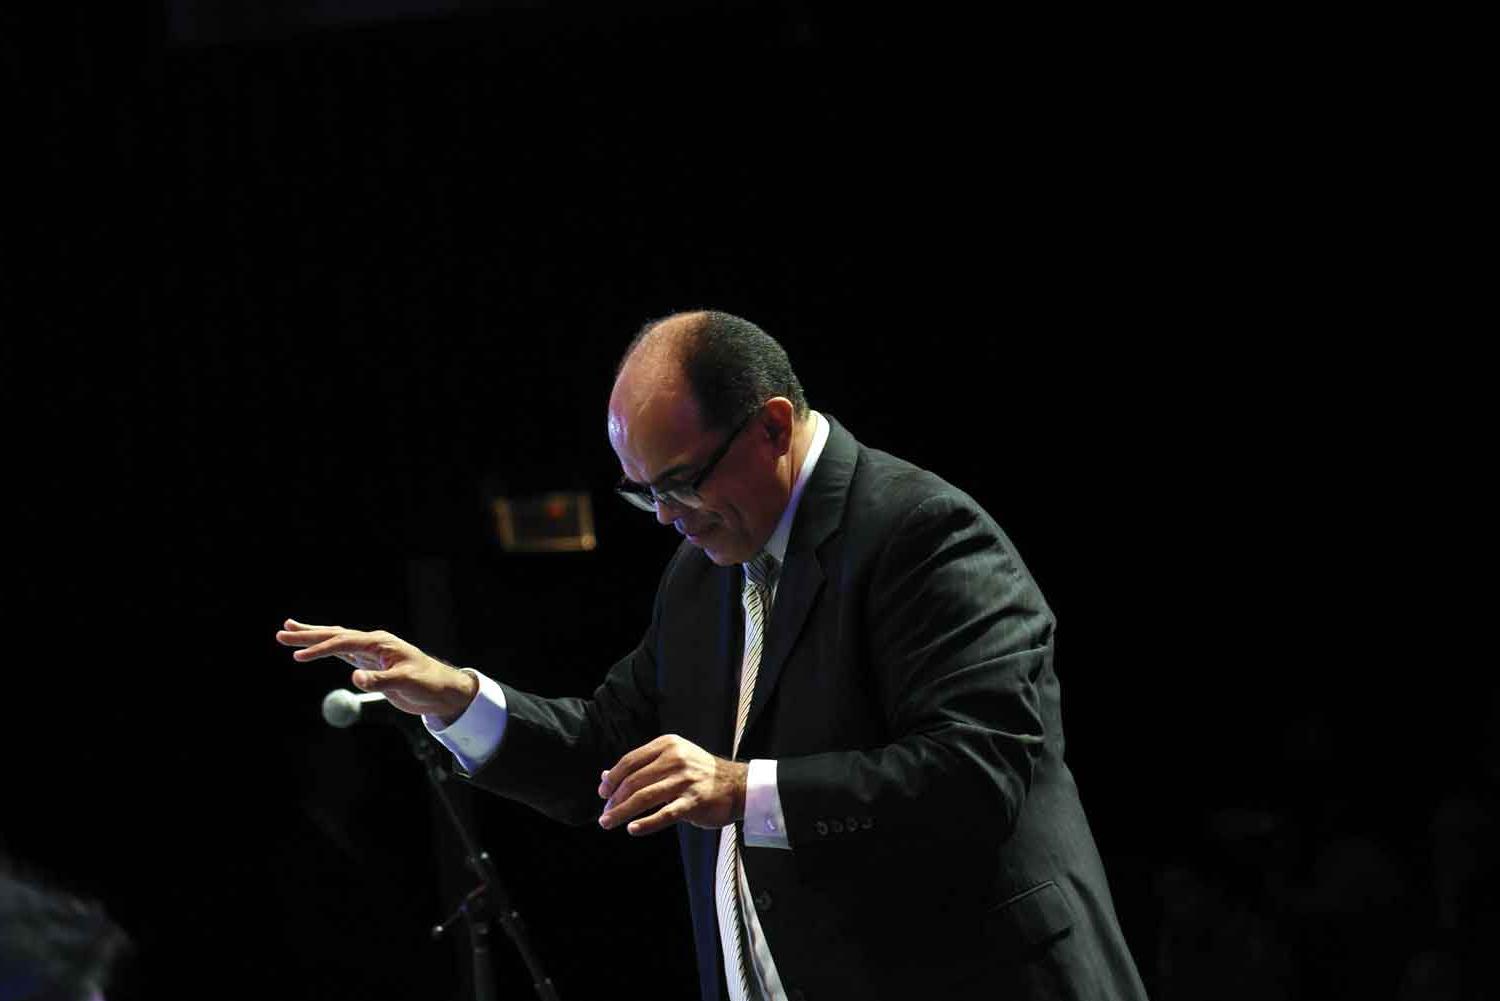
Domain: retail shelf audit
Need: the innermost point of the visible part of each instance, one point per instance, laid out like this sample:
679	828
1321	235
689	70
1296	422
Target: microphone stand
475	907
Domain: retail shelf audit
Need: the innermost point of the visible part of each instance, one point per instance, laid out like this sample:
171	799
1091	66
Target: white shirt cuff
765	827
476	734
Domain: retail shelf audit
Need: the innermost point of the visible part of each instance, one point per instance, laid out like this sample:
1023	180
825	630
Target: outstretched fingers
294	625
339	643
306	635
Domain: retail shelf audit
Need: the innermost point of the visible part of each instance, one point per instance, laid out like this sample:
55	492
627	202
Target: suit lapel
819	513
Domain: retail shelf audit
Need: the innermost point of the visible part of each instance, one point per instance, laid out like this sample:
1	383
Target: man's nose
666	511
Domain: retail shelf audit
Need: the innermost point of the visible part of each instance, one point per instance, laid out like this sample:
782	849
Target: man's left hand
681	778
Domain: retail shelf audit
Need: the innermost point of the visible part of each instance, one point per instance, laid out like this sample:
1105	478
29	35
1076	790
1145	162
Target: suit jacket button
821	828
837	825
762	901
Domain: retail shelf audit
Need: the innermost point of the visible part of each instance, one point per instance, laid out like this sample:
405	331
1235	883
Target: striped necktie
756	599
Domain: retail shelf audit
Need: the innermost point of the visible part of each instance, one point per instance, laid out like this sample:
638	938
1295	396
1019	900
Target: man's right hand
409	679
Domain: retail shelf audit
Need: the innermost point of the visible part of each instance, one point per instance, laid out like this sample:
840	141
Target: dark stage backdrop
293	307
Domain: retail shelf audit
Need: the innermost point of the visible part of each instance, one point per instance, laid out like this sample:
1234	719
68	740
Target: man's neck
803	432
798	455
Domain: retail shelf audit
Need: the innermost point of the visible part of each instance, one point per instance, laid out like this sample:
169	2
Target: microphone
341	707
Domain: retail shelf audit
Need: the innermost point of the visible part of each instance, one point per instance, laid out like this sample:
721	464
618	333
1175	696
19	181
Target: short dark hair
732	367
53	946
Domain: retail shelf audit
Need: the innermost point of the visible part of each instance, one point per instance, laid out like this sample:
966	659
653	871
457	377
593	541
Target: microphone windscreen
340	708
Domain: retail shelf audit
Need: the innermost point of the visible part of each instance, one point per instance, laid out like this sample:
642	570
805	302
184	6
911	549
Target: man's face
658	436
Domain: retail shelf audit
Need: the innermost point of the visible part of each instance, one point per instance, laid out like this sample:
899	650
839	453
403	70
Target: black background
294	303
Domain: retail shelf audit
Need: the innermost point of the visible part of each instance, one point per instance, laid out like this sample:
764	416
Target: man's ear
780	417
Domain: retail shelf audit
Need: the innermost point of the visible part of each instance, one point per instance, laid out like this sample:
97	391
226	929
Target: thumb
370	681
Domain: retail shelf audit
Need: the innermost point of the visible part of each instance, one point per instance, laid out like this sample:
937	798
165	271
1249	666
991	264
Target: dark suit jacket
907	692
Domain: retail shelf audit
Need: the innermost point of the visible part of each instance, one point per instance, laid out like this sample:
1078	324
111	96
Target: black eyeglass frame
648	497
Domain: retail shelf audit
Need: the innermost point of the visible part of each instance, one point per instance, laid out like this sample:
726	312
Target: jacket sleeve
959	637
554	748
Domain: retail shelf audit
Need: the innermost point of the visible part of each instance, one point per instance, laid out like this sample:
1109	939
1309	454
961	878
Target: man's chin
720	559
716	551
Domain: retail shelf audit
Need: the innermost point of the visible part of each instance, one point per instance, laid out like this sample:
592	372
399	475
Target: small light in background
548	523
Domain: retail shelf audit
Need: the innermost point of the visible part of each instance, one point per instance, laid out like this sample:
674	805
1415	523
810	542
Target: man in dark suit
845	702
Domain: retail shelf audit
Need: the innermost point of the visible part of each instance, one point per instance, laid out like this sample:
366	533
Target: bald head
710	400
729	365
660	344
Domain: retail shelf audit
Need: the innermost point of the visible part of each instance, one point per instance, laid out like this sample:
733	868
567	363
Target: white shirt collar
777	544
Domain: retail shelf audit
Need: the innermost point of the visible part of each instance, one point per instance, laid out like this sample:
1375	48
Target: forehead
654	427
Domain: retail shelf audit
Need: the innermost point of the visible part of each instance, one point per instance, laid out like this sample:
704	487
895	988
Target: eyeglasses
648	497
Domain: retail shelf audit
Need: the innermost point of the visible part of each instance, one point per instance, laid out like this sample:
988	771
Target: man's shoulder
901	512
869	496
895	487
876	477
